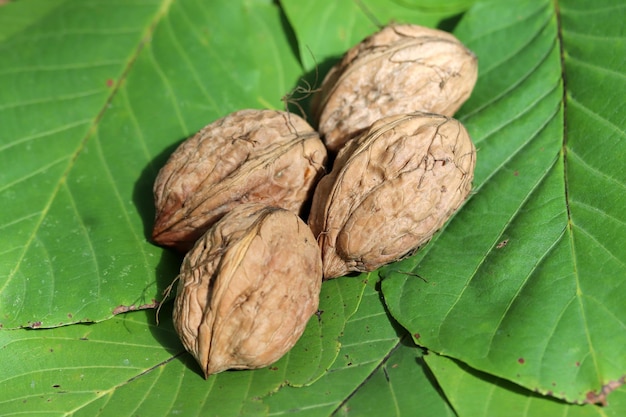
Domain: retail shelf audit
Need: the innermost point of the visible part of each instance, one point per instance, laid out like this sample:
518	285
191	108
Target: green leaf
318	347
473	393
526	282
401	386
326	29
67	368
17	16
368	339
129	362
52	89
113	89
95	96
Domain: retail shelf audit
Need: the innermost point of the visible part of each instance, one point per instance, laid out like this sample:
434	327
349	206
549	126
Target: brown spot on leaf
124	309
35	324
521	361
502	244
600	397
416	336
110	82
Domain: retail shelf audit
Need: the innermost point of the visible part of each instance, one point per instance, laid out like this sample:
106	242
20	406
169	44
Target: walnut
266	156
398	70
390	190
247	288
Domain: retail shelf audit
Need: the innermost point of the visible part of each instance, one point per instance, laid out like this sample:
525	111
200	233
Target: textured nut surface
250	155
398	70
390	190
247	289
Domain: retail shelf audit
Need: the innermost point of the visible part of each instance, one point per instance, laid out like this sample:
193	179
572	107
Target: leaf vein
54	99
43	134
515	296
62	67
599	244
484	257
596	116
516	85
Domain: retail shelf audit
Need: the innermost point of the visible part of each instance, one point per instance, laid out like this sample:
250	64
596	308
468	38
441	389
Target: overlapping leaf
326	29
368	339
401	386
84	130
472	393
527	282
67	368
128	363
80	148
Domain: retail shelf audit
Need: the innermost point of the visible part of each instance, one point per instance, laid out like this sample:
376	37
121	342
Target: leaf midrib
566	186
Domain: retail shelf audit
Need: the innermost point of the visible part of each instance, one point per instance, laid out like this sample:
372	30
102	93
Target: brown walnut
390	190
398	70
265	156
247	289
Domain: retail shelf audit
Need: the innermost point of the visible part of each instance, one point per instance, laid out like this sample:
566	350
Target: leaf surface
64	369
367	340
527	281
473	393
326	29
77	180
90	108
128	363
401	386
318	347
51	100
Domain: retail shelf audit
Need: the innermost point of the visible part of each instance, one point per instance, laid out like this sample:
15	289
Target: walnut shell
390	190
398	70
247	289
266	156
